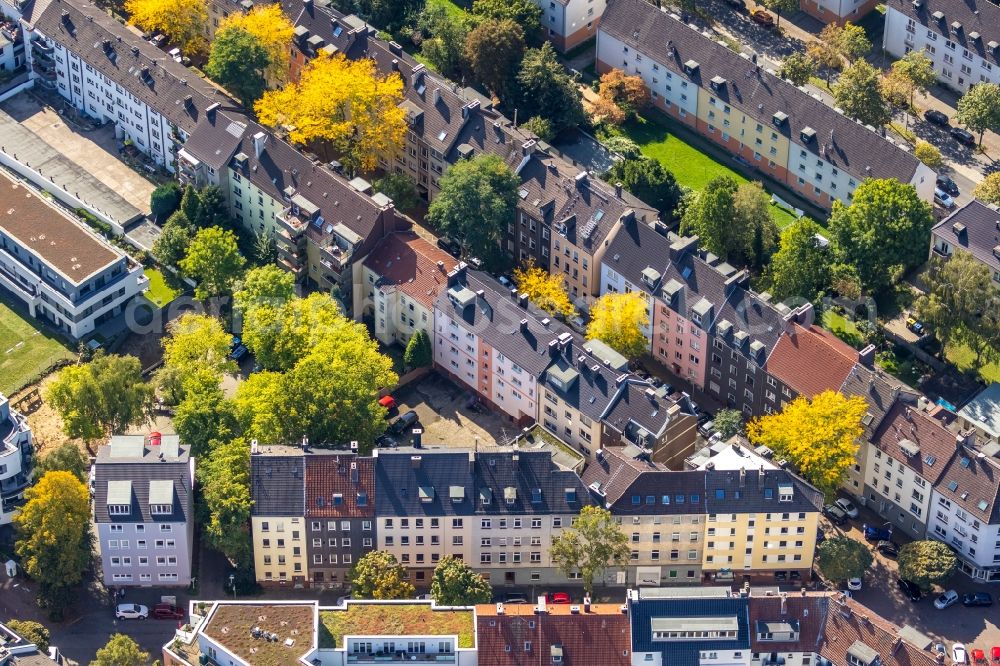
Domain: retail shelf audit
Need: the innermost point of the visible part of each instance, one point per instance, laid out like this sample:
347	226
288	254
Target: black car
835	514
450	246
911	590
963	136
948	185
405	421
888	548
936	117
977	599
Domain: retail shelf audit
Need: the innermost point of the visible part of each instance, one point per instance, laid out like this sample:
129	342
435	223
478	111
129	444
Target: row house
837	11
961	39
63	273
401	280
144	510
974	229
569	23
780	130
313	514
16	459
708	524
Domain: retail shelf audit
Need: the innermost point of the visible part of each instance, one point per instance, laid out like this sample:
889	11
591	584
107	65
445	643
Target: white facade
570	22
977	544
956	67
16	458
145	554
667	88
396	316
512	388
456	349
897	492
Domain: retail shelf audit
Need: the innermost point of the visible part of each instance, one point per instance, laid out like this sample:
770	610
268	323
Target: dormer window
161	509
362	499
338	499
119	509
785	493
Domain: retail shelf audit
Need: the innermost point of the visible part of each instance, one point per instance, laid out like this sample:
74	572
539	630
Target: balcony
46	73
284	238
296	268
40	45
400	656
292	254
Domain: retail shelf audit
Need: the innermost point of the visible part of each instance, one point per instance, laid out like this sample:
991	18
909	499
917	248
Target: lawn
159	293
395	620
843	328
691	167
454	8
26	350
964	359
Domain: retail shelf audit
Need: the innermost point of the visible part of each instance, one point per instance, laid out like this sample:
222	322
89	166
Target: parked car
835	514
948	185
388	402
707	428
763	18
515	598
400	425
947	599
131	612
854	584
239	351
977	599
914	325
963	136
978	656
877	534
167	612
888	548
911	590
958	654
847	507
995	655
736	4
943	199
935	117
940	651
558	598
450	246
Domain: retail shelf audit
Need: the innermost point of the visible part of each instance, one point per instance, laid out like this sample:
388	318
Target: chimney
618	190
417	437
805	315
681	246
866	356
553	348
784	603
415	462
522	300
211	109
524	325
760	478
743	477
259	139
355	476
437	95
586	604
395	65
515	462
305	444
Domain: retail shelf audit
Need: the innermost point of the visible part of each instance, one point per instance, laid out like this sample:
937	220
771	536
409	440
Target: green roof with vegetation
386	619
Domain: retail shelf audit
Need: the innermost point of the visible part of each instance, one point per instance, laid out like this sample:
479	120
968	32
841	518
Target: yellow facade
760	542
279	550
728	125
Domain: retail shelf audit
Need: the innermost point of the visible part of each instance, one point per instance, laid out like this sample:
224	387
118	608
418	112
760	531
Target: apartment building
906	459
64	274
277	519
144	510
319	28
400	281
960	38
16	459
975	229
425	507
16	650
965	508
11	45
635	263
808	360
837	11
523	501
569	23
981	415
783	132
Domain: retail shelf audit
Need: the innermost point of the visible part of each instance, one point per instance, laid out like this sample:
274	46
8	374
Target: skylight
929	460
983	504
442	135
952	486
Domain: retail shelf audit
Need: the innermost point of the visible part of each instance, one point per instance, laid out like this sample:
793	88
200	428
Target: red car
167	612
558	598
995	653
388	402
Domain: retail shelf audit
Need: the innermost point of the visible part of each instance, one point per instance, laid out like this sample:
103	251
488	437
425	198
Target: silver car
131	612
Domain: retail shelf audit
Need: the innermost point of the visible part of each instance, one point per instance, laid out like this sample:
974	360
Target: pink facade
679	345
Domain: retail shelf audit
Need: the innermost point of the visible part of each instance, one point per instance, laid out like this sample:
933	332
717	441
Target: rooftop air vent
718	83
938	15
691	67
808	134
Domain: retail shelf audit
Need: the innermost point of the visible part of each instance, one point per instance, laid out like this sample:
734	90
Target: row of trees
925	563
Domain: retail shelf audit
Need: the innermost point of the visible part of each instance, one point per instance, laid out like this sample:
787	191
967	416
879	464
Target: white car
958	654
131	612
947	599
854	584
943	199
848	508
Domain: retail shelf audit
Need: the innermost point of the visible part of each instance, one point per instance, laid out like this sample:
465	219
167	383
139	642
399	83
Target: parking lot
976	627
441	407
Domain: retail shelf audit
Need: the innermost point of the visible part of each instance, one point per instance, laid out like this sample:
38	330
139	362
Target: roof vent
918	4
808	134
691	67
956	27
938	15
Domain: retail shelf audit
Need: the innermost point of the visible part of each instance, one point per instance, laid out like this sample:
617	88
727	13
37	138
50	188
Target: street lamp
232	584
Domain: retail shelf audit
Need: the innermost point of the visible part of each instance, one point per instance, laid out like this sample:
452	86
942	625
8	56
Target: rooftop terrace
388	619
240	628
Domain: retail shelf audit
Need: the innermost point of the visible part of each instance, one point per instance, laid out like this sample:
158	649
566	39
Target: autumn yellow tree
544	289
343	103
182	21
819	436
274	32
618	320
629	93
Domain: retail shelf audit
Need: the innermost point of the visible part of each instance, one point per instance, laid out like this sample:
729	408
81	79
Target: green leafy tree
172	243
33	632
884	231
389	15
197	341
443	39
801	266
826	57
454	583
850	40
650	181
624	146
541	127
238	61
979	109
120	650
728	422
106	395
281	332
418	351
53	536
779	6
191	204
618	320
916	68
591	545
214	260
752	217
377	575
164	200
493	51
224	476
798	68
213	211
66	458
929	155
259	406
524	13
265	251
478	198
712	216
546	89
926	563
858	92
264	286
401	189
204	415
842	558
988	190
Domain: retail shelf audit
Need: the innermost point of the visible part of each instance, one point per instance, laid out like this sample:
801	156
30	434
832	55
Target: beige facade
569	424
279	550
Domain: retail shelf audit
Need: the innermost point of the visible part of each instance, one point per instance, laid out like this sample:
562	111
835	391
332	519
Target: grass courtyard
160	293
962	356
26	349
394	620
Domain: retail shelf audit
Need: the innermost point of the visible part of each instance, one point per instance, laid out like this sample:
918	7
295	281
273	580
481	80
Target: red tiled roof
810	360
346	475
935	442
848	621
410	264
598	638
809	611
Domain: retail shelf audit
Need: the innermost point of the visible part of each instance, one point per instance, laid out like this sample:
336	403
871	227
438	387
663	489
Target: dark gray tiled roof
215	139
613	472
592	391
321	19
140	471
638	246
758	319
972	484
641	25
686	653
534	477
401	474
981	235
277	484
879	391
980	16
634	407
